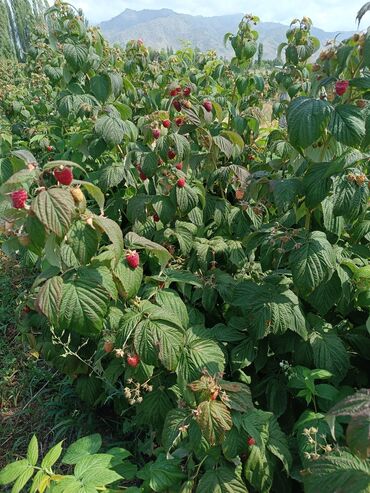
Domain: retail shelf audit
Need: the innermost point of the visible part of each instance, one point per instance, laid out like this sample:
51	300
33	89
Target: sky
330	15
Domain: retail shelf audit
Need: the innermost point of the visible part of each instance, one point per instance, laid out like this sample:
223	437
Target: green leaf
93	470
84	446
307	119
170	301
112	175
129	279
199	352
347	125
270	308
214	420
224	145
186	199
221	480
335	472
33	451
349	199
22	480
165	473
101	87
358	436
113	231
49	298
84	303
54	208
328	350
113	130
155	249
258	470
158	336
285	191
277	443
83	240
75	54
95	193
171	434
313	263
52	456
12	471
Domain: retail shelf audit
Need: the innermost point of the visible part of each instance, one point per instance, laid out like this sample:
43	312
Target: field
185	277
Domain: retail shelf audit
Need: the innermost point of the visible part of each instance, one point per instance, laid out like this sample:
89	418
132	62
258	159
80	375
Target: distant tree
17	19
259	54
7	49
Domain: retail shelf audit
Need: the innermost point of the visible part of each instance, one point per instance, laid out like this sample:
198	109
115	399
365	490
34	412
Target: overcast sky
331	15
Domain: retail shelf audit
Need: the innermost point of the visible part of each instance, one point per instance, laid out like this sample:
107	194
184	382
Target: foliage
92	470
244	317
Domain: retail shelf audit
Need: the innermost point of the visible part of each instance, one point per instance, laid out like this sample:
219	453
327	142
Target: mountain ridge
165	28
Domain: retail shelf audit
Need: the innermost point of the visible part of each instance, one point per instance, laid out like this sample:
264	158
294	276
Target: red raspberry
155	218
171	154
173	92
133	259
207	105
187	91
341	87
179	166
179	121
143	176
63	175
177	105
156	133
181	182
251	441
19	198
166	123
49	148
133	360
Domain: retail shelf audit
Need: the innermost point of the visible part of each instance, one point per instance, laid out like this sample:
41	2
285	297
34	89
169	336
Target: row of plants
205	278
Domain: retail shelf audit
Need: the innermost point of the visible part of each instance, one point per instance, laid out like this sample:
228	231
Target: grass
26	383
34	398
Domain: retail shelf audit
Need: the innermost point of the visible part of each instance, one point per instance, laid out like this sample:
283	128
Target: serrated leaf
155	249
347	125
307	119
33	451
175	419
22	480
113	231
199	352
270	308
186	199
165	473
84	446
214	420
158	337
338	472
83	240
328	350
221	480
49	298
101	87
52	456
84	303
313	263
75	54
12	471
54	208
129	279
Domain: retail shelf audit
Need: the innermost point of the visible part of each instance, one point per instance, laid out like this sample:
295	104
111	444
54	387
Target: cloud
330	15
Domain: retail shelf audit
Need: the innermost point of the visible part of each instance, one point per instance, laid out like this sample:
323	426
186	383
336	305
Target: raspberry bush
205	277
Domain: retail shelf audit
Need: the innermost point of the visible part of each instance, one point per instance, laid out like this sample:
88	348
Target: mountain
165	28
